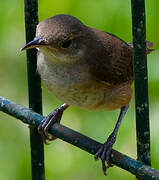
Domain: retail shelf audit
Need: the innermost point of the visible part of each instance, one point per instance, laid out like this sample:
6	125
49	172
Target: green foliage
63	160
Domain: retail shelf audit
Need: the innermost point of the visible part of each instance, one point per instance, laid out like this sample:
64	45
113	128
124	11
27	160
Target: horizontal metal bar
75	138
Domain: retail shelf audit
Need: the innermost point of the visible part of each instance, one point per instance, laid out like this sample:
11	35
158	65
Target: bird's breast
75	86
69	83
61	75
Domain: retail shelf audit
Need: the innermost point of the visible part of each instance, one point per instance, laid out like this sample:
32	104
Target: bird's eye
66	44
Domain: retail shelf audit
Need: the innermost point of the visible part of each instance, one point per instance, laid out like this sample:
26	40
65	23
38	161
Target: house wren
86	68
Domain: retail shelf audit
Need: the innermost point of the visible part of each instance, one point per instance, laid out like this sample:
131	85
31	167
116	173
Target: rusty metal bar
91	146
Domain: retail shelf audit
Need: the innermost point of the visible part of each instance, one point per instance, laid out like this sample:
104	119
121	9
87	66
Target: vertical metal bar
34	88
141	81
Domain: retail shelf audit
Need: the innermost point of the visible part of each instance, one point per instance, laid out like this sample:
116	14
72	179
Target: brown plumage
84	67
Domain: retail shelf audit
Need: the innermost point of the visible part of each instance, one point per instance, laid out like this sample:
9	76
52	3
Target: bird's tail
149	46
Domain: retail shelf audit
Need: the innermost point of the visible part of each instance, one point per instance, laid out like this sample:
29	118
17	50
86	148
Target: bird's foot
47	122
104	153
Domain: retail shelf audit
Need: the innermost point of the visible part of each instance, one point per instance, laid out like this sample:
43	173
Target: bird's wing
116	60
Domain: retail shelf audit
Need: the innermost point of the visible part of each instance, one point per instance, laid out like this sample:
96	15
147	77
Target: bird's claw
104	153
47	122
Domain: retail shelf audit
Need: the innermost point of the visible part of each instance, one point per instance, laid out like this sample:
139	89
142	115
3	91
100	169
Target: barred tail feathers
149	46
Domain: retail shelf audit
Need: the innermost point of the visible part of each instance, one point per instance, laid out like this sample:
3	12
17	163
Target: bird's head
61	36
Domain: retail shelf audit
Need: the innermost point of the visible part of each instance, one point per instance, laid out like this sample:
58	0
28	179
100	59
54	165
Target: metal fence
140	167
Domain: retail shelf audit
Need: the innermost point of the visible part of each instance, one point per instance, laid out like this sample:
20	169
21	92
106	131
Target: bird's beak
33	44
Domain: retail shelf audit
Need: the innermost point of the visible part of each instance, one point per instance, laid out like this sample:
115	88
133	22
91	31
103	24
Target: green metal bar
91	146
35	94
141	81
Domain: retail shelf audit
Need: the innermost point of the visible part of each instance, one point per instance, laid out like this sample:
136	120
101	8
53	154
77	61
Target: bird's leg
104	151
48	121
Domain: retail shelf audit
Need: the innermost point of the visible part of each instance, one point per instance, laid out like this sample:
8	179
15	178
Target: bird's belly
90	95
85	94
75	87
72	85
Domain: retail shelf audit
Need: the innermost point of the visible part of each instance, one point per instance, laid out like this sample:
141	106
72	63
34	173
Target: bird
84	67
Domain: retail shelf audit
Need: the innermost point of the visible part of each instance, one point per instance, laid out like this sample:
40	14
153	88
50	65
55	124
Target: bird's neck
57	58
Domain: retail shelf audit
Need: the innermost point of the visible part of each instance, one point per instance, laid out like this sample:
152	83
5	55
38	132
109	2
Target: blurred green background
64	161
